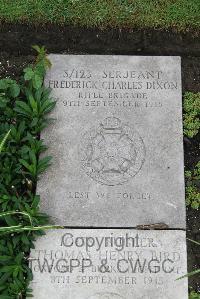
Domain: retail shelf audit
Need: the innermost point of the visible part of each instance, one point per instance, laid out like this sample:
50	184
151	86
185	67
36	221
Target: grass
179	14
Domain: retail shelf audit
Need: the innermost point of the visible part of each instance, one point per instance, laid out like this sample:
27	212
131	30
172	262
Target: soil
15	53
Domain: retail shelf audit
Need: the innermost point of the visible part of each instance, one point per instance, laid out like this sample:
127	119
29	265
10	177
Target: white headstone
116	142
109	264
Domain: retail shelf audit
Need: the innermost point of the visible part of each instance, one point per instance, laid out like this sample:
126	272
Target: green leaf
19	258
193	241
194	295
6	297
35	202
28	73
189	274
7	269
14	90
36	48
37	81
33	158
3	84
21	127
10	220
23	108
25	239
25	164
43	164
5	258
4	141
33	104
47	106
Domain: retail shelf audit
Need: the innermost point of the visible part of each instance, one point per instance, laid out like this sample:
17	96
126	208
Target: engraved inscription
109	264
112	153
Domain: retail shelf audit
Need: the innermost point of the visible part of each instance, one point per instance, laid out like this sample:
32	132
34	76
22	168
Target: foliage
178	14
191	119
192	187
194	295
192	197
4	141
24	106
195	272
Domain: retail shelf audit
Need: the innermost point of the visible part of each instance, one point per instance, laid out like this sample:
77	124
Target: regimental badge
112	153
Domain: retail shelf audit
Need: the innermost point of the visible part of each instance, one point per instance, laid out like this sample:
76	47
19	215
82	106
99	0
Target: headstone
109	264
116	142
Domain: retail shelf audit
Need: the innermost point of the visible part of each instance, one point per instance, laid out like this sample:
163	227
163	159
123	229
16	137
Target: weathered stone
109	264
116	142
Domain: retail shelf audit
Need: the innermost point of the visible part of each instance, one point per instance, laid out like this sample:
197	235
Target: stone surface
109	264
116	142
